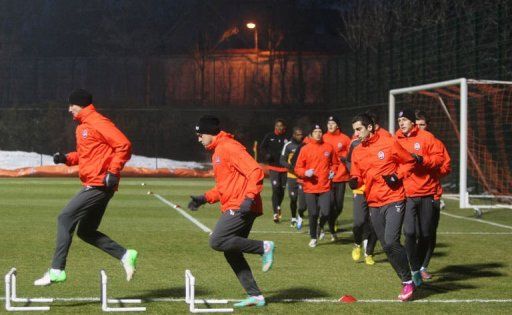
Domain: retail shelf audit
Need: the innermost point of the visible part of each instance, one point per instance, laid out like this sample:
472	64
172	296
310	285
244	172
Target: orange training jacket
321	157
423	181
377	156
237	175
100	147
341	143
443	170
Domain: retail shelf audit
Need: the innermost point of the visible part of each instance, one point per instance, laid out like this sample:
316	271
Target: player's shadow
173	292
294	295
451	278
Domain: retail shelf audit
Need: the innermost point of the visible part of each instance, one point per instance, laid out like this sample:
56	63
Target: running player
238	184
316	165
287	154
426	253
270	149
340	142
381	164
101	153
420	188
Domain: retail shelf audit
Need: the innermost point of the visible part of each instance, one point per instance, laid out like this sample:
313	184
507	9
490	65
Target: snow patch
10	160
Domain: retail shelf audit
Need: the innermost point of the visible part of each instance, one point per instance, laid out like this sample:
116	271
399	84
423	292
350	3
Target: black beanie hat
408	113
80	97
315	126
209	125
335	119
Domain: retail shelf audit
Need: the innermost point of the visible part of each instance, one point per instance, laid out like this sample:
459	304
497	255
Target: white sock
266	246
55	271
259	297
407	282
125	257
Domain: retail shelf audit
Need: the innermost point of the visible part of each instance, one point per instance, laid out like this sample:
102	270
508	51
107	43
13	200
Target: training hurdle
105	300
190	298
11	296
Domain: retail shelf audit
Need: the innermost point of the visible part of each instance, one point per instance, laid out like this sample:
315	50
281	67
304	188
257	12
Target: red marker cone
347	299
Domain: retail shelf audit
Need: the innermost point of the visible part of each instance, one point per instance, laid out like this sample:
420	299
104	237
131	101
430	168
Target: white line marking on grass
183	213
477	220
348	232
173	300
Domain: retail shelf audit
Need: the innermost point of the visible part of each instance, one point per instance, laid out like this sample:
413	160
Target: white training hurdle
190	298
105	300
11	296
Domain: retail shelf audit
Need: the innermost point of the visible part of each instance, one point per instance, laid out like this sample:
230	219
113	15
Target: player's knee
84	234
216	243
391	247
64	219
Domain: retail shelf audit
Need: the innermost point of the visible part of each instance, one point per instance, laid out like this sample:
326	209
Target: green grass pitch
472	260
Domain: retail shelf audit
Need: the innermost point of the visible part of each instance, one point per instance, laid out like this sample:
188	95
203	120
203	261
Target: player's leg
67	221
276	187
324	205
411	236
311	202
428	226
394	216
358	225
293	194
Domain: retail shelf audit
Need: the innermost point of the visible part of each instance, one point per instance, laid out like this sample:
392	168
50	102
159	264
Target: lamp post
252	26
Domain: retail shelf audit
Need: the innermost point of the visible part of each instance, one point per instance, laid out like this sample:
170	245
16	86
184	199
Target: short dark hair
374	117
365	119
295	129
280	120
421	115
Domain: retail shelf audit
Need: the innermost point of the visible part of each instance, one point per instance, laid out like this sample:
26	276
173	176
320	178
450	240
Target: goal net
473	118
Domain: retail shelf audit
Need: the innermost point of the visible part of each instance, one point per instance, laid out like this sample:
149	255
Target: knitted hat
209	125
80	97
335	119
407	113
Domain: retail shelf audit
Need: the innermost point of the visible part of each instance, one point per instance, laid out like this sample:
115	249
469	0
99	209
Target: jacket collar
85	113
412	133
370	139
219	138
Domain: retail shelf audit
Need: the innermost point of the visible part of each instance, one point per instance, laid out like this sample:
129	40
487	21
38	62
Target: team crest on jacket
380	155
327	153
417	146
217	160
340	145
84	133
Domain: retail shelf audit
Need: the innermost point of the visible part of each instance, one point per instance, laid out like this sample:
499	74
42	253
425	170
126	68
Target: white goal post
459	87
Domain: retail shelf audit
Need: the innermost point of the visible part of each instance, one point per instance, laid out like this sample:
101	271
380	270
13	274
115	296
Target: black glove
352	183
343	159
418	158
111	181
392	181
59	158
245	206
196	202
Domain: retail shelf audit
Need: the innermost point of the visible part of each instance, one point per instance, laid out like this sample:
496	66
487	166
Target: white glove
309	173
331	175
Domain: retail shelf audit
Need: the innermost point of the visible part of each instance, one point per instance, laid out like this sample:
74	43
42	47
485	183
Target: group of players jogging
395	181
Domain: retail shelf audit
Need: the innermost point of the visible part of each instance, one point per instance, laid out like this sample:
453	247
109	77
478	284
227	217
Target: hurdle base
190	283
105	301
11	296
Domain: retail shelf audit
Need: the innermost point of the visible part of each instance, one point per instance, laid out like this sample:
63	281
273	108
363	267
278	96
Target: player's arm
404	160
446	166
356	178
434	157
285	153
71	158
119	143
249	168
300	165
335	163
